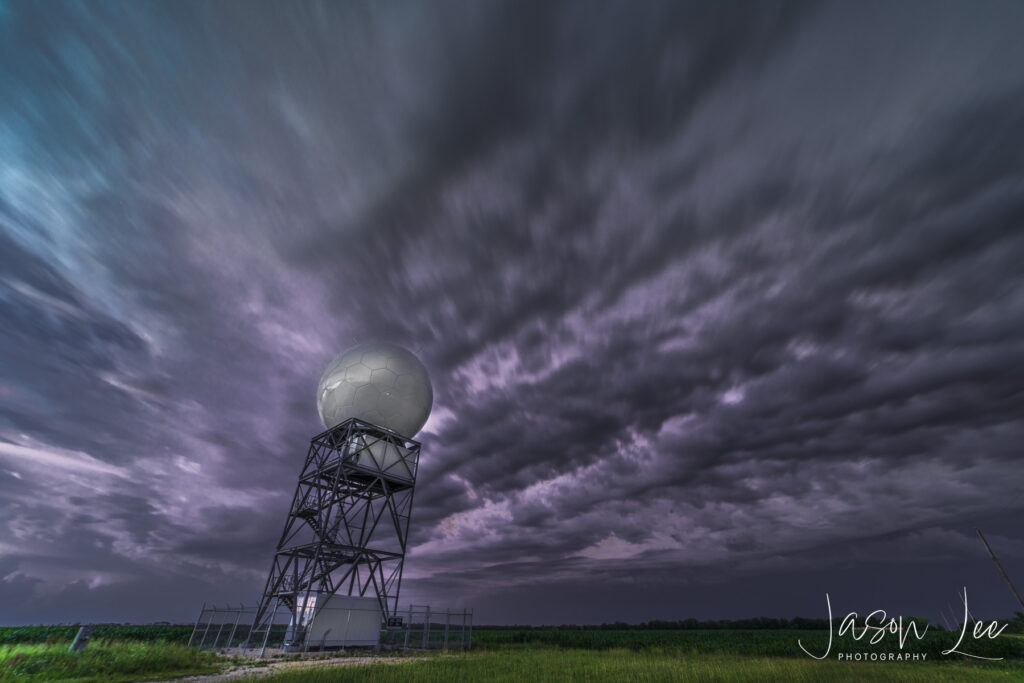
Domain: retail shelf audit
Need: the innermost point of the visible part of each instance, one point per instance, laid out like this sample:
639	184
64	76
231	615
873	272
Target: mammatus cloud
722	304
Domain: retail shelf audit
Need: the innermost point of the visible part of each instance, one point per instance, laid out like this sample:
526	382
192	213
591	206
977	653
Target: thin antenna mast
945	620
963	599
952	614
1001	570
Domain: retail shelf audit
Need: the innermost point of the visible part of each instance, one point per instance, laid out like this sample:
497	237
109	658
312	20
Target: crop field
766	643
12	635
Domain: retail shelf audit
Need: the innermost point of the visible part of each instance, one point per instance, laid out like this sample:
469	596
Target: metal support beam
355	476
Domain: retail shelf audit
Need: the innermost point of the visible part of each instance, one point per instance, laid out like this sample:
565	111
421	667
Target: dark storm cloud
711	295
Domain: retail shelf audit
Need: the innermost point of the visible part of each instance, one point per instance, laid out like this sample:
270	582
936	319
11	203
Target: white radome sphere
379	383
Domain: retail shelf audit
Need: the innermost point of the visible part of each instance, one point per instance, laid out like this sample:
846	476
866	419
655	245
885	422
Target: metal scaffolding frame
347	526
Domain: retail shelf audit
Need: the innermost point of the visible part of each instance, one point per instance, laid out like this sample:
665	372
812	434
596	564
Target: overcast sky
722	302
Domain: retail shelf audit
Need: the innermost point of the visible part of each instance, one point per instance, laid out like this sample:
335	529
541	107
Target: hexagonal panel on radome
390	404
399	365
383	377
357	373
345	395
367	395
375	359
405	382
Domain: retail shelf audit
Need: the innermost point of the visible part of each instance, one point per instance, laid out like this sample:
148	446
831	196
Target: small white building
343	621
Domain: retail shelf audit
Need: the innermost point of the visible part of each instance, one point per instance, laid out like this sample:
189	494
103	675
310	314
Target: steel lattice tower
348	523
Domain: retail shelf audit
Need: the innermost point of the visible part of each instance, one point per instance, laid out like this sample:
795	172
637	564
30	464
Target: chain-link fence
421	628
228	628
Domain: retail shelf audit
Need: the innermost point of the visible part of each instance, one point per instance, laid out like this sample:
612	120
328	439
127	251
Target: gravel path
264	670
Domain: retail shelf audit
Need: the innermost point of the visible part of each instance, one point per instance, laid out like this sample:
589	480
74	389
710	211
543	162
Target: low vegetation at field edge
172	633
103	662
762	643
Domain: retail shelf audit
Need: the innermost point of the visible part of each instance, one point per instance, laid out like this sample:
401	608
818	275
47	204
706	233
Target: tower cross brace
347	527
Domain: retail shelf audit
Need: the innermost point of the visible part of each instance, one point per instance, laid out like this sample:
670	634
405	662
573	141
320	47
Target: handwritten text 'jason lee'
895	626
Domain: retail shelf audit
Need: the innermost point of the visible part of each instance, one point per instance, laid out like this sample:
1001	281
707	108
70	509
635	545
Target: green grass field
697	655
547	664
532	655
103	661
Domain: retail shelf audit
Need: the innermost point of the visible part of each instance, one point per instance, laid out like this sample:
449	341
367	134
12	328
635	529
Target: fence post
447	621
344	638
309	630
213	613
81	638
408	629
198	619
270	626
470	629
426	628
216	638
231	636
462	633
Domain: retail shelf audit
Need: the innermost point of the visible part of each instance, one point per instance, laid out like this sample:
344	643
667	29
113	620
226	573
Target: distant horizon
596	626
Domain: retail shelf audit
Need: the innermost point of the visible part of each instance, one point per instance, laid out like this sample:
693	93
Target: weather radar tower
342	549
